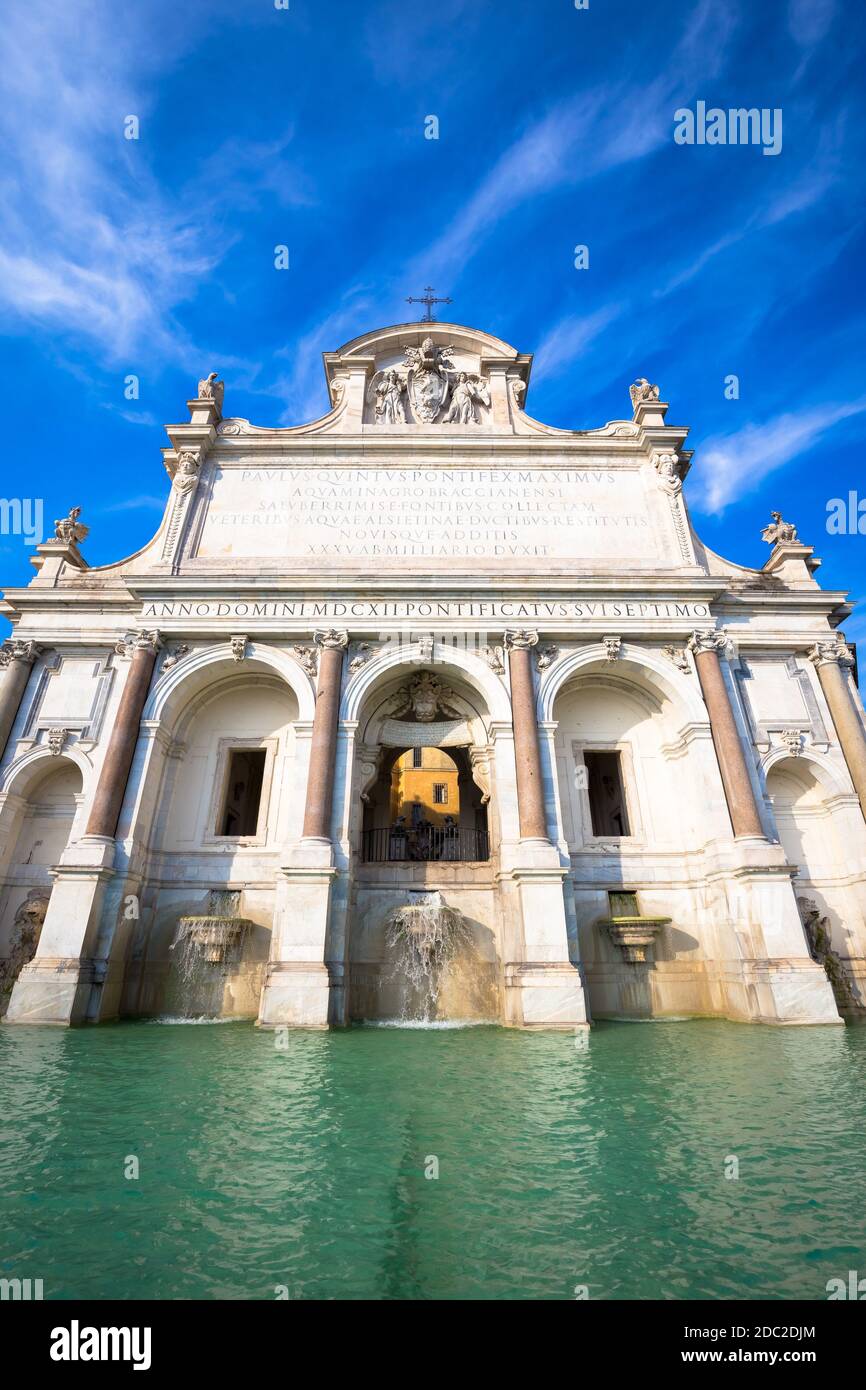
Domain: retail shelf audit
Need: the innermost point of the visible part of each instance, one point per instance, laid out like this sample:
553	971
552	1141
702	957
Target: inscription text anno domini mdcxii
382	513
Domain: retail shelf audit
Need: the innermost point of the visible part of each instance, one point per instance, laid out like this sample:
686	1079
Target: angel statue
642	390
70	529
465	394
210	389
388	388
778	530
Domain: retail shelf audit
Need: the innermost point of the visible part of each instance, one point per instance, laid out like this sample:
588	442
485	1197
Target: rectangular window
440	794
606	793
239	814
417	757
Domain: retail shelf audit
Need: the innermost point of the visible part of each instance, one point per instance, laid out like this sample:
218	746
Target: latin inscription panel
392	515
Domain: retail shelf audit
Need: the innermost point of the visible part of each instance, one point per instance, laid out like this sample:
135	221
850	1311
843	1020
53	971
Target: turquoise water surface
558	1165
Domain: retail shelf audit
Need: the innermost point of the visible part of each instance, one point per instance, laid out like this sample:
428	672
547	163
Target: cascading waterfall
203	949
425	935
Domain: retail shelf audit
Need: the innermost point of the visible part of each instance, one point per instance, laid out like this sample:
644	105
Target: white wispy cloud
584	136
730	466
809	20
92	248
568	339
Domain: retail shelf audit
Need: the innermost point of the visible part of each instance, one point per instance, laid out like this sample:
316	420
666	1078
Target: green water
557	1166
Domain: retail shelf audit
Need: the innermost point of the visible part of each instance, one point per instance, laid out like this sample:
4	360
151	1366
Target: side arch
194	673
832	778
673	685
25	771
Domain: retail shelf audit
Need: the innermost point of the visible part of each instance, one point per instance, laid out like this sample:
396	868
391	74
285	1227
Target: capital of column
834	653
520	639
140	640
17	649
711	639
331	638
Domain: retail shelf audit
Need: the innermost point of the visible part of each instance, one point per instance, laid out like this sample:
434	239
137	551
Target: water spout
204	949
425	935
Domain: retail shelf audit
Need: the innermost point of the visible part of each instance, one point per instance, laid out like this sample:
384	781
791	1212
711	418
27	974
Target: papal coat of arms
431	382
428	380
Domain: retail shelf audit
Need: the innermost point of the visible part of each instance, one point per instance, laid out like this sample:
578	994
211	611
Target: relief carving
422	700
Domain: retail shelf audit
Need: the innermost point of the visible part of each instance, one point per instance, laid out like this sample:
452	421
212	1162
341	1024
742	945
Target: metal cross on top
428	298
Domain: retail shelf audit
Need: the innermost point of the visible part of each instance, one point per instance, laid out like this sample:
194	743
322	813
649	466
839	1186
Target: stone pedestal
774	979
59	983
296	990
544	989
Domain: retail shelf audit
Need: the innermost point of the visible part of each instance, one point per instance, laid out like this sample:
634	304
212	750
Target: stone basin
213	937
634	935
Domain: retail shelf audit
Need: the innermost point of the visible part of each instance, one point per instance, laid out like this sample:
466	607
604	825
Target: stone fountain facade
427	565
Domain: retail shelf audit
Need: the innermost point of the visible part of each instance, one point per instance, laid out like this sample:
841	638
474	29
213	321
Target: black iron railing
426	844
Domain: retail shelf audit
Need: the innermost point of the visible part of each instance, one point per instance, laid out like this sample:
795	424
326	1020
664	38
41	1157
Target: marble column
110	789
299	989
742	807
64	983
320	779
831	661
543	986
527	753
16	662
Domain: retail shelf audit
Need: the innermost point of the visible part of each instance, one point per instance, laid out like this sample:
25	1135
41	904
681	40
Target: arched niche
822	833
623	753
37	822
240	724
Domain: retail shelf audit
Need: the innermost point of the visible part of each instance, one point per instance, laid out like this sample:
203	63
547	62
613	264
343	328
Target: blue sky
305	127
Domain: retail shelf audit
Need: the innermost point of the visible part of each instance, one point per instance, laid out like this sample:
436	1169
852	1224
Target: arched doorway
41	818
425	807
423	833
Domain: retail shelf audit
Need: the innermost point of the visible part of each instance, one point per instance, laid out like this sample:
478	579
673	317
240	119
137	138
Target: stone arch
481	697
669	682
36	824
820	827
825	770
175	687
654	727
25	771
443	658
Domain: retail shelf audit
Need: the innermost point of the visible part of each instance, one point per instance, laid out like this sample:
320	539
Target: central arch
449	858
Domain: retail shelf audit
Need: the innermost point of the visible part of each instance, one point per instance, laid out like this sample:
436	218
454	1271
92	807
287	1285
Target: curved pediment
427	375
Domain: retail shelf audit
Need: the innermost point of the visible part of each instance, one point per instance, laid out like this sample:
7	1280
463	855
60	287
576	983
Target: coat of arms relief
427	387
